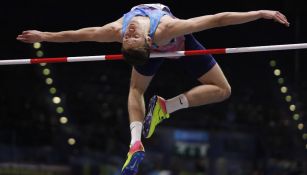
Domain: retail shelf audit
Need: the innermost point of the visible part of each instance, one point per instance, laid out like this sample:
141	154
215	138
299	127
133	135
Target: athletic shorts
196	66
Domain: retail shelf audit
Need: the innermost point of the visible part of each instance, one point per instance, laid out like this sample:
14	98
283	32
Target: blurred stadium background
72	119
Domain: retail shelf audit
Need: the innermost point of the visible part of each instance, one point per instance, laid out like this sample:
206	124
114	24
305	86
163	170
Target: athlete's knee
225	92
136	89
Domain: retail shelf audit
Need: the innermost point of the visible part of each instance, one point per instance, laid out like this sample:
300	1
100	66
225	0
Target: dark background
94	94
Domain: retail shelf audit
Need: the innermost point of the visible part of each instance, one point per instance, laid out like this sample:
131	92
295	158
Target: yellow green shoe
135	156
156	114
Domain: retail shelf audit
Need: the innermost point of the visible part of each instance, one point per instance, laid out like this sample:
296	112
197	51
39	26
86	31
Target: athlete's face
135	36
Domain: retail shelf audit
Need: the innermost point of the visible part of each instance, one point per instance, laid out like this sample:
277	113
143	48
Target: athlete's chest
143	20
160	34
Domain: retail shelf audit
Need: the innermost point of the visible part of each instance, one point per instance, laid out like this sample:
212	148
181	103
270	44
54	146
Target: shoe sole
148	118
132	167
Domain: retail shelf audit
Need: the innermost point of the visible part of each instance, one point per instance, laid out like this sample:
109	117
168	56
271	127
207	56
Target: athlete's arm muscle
106	33
178	27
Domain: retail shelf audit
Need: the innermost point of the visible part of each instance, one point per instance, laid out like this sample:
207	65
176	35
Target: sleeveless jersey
155	12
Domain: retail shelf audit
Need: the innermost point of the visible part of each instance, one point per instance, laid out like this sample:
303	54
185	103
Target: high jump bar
157	54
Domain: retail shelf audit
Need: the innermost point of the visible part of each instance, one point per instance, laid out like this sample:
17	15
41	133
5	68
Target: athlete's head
136	44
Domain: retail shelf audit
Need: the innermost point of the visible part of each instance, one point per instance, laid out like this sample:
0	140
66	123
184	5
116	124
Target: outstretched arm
106	33
181	27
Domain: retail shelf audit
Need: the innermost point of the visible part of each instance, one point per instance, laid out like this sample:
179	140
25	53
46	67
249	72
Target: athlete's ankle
176	103
136	132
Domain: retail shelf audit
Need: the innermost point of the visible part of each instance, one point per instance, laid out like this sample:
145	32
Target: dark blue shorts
194	65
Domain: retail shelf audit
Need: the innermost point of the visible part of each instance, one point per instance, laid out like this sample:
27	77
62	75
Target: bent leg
214	86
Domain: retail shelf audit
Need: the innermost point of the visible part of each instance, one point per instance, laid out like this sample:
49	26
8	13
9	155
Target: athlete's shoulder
119	21
162	32
117	25
113	29
165	22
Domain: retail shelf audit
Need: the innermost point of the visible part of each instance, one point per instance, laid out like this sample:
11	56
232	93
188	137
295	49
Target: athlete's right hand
30	36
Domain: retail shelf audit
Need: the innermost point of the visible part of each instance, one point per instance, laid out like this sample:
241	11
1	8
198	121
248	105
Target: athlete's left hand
275	15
